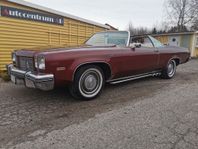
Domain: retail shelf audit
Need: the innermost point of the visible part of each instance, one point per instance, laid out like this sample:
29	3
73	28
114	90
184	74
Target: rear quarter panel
168	53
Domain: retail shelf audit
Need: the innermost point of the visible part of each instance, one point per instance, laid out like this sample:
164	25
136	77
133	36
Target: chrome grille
25	63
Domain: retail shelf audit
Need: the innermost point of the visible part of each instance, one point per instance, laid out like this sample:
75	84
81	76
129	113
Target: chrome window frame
128	41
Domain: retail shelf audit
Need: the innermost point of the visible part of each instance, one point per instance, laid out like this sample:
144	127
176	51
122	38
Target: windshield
105	38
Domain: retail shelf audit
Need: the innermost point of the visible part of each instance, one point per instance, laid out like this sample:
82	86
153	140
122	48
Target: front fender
80	62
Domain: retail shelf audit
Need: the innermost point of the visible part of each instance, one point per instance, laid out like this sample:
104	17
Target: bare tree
182	13
161	27
138	30
195	25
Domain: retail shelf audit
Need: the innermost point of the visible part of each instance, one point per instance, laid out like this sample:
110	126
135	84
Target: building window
173	39
197	41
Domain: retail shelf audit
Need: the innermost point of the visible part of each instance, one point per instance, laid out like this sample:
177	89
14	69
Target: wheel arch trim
91	62
174	58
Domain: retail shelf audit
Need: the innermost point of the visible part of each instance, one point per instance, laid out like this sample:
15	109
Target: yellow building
186	39
25	25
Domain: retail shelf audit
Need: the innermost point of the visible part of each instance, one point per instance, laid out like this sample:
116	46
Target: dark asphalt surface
147	113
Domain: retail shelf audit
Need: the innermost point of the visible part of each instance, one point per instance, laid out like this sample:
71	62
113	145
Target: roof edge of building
35	6
180	33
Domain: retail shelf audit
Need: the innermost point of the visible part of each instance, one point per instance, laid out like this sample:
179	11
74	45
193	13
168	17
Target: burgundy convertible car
107	57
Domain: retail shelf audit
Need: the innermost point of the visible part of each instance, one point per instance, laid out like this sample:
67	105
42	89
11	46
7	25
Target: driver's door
143	58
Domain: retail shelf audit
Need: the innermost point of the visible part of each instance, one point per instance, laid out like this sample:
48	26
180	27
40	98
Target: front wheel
170	70
88	82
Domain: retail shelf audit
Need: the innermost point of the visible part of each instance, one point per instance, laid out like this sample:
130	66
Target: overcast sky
115	12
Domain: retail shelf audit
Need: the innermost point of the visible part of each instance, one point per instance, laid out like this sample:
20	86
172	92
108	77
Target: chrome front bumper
40	81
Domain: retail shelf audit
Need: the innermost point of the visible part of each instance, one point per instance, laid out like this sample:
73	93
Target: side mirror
132	46
135	45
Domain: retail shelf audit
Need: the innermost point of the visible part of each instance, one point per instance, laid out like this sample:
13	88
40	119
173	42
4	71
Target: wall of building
182	40
196	44
186	41
162	39
196	52
18	33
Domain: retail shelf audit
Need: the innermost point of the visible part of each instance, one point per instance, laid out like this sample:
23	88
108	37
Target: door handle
132	48
156	50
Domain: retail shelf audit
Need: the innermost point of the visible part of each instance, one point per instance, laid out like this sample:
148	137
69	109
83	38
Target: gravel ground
148	113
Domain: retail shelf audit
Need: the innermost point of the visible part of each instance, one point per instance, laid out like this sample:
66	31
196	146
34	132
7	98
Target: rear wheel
170	70
88	82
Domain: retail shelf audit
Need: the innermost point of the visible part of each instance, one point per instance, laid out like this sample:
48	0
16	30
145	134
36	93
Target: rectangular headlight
14	57
40	62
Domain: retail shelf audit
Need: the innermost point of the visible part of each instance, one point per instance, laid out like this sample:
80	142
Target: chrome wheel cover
171	68
90	83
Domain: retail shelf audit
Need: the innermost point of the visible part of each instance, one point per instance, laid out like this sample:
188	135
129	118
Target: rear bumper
40	81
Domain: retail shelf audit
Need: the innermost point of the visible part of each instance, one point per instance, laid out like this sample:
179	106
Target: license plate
19	81
13	79
29	83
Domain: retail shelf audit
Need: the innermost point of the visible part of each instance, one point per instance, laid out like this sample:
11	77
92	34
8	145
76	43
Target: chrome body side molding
134	77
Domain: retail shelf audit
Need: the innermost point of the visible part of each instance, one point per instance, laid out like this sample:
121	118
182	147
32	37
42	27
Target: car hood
29	52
